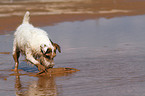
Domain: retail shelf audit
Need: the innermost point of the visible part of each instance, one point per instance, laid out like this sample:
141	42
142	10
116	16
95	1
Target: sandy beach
52	12
103	39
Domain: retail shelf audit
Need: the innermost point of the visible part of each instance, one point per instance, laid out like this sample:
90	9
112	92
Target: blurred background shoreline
49	12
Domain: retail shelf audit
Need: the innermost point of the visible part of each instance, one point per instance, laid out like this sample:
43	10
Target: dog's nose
50	65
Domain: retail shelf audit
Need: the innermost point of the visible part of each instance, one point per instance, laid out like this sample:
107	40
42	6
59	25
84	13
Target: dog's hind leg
16	55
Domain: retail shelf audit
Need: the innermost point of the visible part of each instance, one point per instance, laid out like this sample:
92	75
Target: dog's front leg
31	59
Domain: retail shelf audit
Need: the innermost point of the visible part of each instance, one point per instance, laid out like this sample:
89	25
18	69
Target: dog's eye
48	57
48	50
54	51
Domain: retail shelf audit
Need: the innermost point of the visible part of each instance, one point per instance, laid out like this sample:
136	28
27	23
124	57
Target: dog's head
48	54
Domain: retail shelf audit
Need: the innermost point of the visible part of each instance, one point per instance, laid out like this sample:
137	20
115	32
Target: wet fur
34	44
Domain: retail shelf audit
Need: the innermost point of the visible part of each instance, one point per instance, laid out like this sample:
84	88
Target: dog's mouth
46	62
50	66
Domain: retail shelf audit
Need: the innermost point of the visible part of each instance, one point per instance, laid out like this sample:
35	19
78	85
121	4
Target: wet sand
107	47
52	12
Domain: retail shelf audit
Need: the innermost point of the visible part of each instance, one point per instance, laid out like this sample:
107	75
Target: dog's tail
26	17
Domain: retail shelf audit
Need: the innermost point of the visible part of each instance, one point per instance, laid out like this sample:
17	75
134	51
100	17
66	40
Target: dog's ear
51	41
57	47
43	48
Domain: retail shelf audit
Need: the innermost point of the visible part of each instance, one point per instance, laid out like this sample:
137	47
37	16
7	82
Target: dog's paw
40	67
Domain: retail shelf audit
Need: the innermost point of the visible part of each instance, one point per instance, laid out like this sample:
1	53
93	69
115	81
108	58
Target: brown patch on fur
16	56
57	47
49	54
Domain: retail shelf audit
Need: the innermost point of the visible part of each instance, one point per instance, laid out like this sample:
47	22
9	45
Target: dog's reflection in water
44	86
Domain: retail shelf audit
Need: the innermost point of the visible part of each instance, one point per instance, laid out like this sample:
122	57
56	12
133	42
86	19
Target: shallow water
108	52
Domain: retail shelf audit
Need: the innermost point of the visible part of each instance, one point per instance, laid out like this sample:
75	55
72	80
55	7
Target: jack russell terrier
35	44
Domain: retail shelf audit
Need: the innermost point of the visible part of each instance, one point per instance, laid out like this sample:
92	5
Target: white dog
34	44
